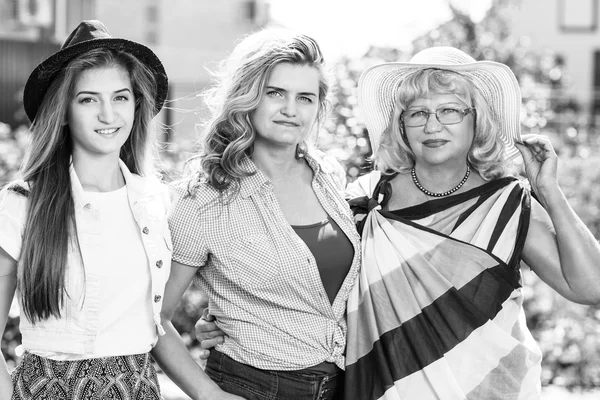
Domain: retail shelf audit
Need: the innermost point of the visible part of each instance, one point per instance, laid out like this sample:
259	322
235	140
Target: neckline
438	204
113	192
316	224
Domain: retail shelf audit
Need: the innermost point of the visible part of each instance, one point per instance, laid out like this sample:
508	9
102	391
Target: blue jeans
257	384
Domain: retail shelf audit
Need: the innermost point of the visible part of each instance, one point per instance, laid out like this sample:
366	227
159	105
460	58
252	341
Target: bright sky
350	26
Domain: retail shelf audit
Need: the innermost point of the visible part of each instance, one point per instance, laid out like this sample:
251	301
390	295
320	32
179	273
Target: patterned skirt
131	377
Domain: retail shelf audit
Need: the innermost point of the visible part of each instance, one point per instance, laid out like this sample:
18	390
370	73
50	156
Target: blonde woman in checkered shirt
265	231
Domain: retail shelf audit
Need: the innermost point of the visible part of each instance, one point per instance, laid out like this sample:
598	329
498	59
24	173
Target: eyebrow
439	105
300	93
98	93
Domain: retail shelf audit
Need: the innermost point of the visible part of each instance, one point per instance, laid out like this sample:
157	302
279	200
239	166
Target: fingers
209	330
210	343
204	327
539	144
207	316
540	148
203	354
526	152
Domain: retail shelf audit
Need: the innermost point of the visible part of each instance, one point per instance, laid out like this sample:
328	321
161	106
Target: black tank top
332	250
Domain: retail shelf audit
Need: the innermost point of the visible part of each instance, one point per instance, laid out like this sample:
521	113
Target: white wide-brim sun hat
496	82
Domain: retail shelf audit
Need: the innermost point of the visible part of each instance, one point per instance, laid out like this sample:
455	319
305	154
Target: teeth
106	131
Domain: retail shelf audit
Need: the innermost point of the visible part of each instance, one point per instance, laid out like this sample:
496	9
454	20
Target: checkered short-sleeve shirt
262	281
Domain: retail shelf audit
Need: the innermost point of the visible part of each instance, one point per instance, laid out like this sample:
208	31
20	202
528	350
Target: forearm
174	359
8	284
578	249
6	387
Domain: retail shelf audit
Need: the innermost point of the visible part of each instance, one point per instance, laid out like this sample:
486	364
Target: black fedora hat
87	36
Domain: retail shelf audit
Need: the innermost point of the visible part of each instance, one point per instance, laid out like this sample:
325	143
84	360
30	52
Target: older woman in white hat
437	312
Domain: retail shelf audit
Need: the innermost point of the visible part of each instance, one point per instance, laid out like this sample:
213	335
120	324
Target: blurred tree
345	136
542	76
12	149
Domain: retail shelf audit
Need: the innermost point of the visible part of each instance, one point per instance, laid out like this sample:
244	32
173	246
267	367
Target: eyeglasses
446	116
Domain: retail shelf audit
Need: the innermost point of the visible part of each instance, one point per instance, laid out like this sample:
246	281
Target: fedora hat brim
42	76
496	82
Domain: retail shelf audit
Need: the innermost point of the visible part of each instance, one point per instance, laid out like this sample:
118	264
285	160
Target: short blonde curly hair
486	153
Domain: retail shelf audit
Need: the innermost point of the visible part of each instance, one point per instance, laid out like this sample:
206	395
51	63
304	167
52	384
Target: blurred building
188	35
570	29
29	32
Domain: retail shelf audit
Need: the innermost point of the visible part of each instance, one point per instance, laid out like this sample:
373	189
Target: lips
434	142
287	123
107	131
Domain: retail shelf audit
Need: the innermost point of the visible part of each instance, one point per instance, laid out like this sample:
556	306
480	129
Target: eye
121	98
274	93
417	114
449	111
86	100
305	99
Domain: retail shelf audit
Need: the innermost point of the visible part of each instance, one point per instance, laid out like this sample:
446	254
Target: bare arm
8	283
170	351
559	247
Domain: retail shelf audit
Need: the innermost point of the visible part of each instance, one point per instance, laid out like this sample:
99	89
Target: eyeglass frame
463	112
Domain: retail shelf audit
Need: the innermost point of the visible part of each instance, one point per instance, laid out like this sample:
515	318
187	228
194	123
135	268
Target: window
596	88
578	15
152	14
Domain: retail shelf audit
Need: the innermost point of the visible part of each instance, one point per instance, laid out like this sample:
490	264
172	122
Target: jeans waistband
257	384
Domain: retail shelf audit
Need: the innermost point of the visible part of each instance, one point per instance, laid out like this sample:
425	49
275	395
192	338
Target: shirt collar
252	183
135	187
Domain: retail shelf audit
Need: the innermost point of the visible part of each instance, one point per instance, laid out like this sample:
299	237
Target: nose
433	125
289	108
107	113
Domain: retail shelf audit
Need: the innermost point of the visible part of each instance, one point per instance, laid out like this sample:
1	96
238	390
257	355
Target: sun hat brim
42	76
495	81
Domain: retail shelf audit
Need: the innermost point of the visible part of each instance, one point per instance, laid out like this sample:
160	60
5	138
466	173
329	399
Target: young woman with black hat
84	234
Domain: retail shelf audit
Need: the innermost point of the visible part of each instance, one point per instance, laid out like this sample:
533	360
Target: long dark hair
50	228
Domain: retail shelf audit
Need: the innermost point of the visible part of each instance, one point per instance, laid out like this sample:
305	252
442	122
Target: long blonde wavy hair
239	87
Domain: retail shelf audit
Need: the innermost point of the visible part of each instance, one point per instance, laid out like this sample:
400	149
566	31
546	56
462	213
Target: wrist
210	391
551	197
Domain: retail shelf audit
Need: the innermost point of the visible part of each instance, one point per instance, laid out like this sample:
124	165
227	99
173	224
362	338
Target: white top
115	283
126	325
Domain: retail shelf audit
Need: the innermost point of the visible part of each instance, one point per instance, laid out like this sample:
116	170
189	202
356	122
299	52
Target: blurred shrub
12	149
569	334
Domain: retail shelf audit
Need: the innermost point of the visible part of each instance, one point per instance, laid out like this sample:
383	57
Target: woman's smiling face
435	143
101	112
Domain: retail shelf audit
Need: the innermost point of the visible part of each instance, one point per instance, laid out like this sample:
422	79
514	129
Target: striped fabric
437	311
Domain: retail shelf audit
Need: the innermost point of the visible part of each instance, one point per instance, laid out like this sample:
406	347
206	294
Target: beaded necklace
444	194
